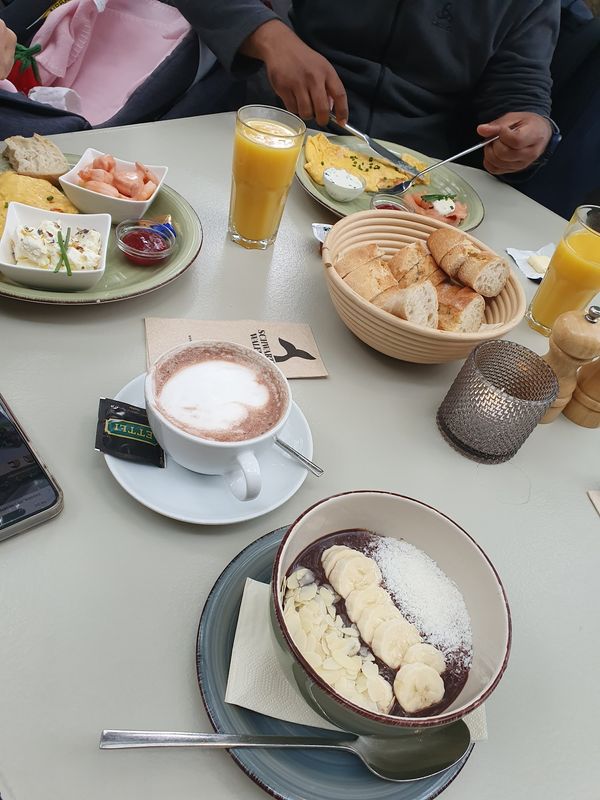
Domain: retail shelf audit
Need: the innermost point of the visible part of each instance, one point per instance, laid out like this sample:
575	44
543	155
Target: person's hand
306	82
523	138
8	41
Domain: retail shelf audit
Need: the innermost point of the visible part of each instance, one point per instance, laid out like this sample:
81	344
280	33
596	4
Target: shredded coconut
426	596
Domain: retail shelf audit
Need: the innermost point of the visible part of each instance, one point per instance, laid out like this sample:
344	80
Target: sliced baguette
460	309
437	277
417	304
371	279
405	260
412	263
461	260
36	157
356	258
485	273
442	240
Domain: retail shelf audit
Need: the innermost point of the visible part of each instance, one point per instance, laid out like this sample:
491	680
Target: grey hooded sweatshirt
422	72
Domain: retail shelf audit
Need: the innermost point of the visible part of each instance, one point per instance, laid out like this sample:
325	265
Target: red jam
388	205
149	244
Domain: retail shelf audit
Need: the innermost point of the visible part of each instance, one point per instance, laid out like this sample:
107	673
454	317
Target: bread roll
412	263
355	258
460	309
371	279
485	273
442	240
462	260
36	157
417	303
437	277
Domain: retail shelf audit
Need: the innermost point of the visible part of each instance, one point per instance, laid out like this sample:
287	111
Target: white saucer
206	499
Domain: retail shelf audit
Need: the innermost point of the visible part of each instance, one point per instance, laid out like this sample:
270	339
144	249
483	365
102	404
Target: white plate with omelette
379	174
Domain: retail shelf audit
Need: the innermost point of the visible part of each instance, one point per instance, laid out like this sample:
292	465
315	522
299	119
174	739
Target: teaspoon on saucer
310	465
400	758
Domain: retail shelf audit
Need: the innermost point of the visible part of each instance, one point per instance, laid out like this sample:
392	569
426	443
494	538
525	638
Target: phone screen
25	489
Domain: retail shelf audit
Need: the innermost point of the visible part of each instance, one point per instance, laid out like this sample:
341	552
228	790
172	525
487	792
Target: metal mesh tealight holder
496	401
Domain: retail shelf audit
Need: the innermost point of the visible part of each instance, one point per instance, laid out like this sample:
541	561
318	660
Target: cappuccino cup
214	407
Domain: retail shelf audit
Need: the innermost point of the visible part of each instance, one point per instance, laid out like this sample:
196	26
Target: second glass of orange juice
265	150
573	276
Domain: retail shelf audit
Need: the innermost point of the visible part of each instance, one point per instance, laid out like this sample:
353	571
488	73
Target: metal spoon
310	465
405	758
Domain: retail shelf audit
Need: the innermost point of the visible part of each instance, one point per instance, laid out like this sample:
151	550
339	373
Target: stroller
175	88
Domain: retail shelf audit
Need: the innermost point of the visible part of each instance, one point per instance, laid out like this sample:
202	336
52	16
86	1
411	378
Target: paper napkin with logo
290	345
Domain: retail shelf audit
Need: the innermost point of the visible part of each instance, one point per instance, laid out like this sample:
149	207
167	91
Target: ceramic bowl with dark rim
454	551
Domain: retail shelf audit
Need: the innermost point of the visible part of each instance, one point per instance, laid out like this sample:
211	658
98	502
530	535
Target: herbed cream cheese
38	246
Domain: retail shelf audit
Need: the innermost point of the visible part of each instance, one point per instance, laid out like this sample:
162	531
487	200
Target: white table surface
100	606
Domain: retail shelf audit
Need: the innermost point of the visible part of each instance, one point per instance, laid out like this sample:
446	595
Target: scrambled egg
377	173
32	192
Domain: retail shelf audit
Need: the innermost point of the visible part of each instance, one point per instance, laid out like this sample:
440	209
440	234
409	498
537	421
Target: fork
400	188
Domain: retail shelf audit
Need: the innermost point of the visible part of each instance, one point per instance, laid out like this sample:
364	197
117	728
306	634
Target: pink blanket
104	56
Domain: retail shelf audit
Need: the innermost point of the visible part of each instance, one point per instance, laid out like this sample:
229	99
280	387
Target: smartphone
28	492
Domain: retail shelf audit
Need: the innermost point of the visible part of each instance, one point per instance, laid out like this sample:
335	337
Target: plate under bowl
283	774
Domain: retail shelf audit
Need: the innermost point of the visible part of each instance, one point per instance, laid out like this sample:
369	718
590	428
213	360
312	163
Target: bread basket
387	333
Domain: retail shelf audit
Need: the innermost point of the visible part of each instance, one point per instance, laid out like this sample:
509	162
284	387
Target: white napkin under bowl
257	680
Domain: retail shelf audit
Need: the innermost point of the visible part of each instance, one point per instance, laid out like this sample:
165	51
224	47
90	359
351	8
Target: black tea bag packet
123	432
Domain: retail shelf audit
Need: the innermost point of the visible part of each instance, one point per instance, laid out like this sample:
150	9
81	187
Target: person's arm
306	82
513	97
8	41
223	25
245	33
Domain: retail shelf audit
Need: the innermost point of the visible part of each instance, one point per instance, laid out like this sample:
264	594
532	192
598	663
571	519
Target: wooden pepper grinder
574	341
584	406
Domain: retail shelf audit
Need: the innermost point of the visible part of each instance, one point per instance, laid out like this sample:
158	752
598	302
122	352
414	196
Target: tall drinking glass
265	150
573	276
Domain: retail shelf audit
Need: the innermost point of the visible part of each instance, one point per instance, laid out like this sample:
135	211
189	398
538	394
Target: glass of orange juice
573	276
265	150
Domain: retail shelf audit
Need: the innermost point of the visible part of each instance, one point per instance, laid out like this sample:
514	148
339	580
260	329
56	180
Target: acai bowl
423	600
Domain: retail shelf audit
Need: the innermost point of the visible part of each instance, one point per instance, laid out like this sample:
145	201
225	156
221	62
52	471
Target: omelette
377	173
32	192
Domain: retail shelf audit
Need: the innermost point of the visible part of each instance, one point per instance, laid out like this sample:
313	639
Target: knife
378	148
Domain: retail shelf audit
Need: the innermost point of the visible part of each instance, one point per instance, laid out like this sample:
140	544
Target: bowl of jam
381	201
145	242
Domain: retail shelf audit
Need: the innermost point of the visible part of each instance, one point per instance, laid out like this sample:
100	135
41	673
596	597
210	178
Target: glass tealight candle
496	401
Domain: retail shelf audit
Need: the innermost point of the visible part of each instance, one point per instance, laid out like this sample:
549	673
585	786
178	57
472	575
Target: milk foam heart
214	395
219	392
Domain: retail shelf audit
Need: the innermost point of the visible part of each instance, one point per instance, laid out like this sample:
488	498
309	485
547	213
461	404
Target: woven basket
389	334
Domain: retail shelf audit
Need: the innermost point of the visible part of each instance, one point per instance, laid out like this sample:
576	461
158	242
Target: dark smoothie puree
456	672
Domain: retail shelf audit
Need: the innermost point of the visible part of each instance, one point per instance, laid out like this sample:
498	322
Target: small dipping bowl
342	185
393	202
145	242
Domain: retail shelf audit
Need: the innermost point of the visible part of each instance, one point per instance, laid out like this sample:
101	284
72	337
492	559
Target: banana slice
393	638
424	654
332	555
380	692
373	616
417	686
353	573
359	599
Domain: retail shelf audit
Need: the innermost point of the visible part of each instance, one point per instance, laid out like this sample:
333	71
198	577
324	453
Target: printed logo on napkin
290	345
